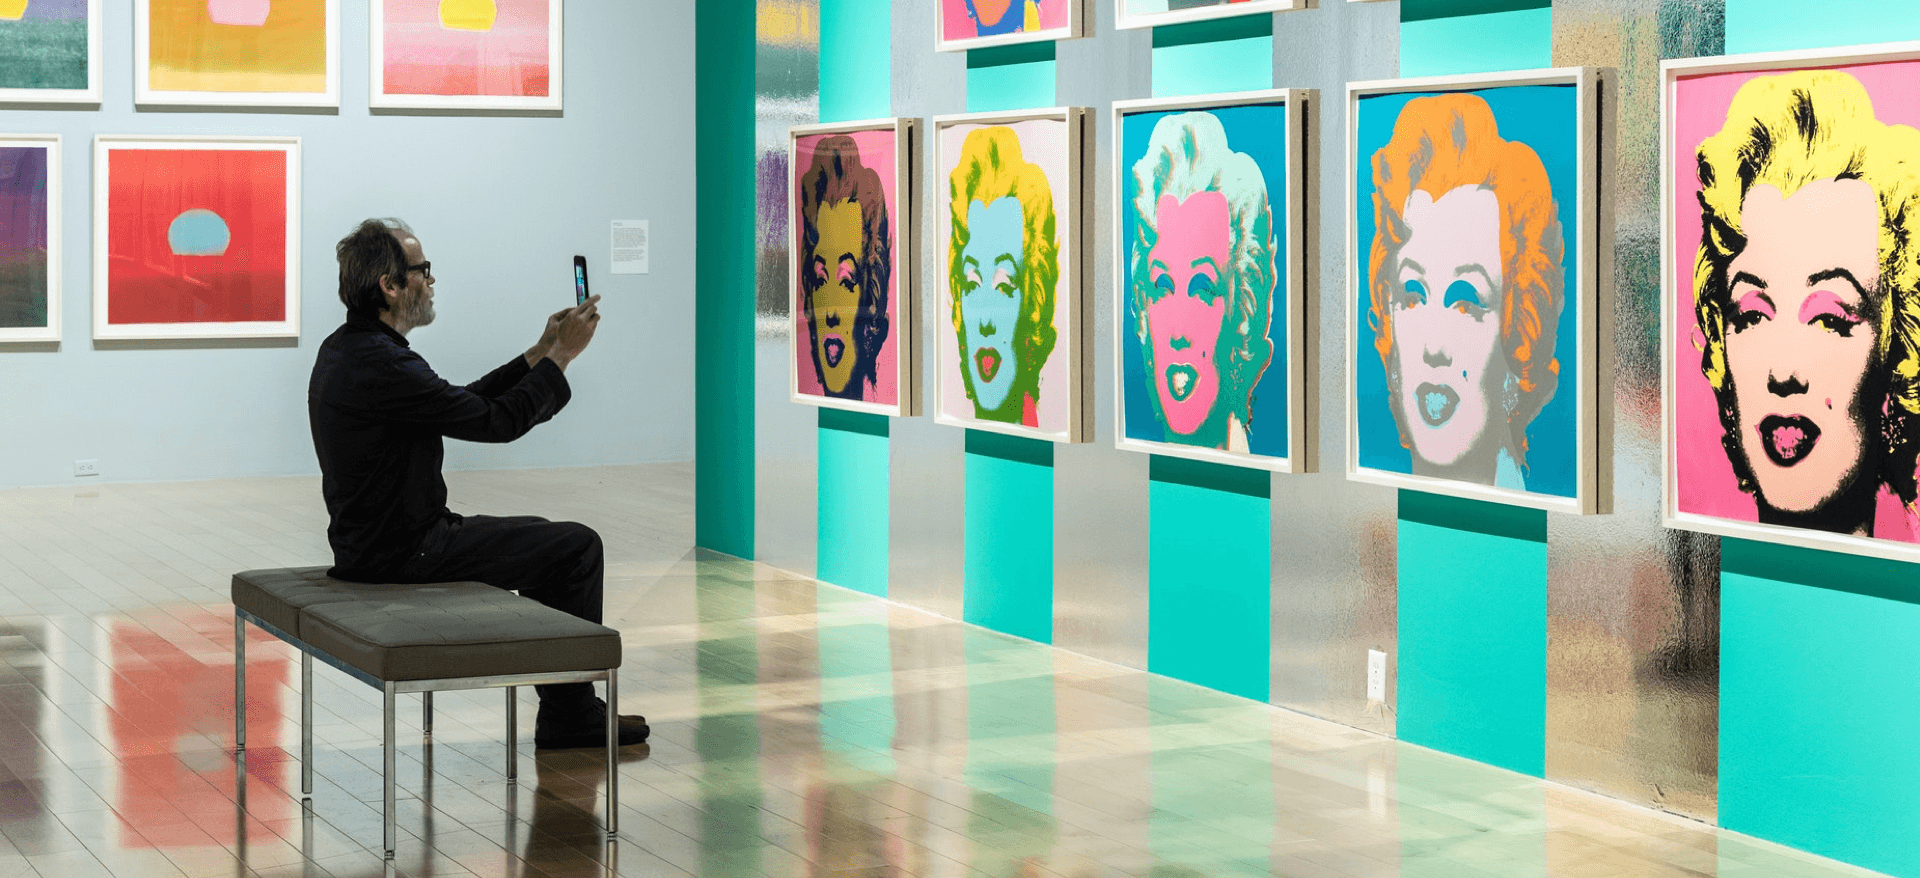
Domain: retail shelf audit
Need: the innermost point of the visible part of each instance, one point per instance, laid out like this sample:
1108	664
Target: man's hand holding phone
569	330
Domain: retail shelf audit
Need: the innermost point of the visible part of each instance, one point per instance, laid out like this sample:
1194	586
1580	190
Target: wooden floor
799	730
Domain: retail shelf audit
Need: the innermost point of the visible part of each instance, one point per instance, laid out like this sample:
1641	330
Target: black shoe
584	727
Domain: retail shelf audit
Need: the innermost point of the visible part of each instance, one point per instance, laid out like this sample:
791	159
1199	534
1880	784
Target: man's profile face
414	304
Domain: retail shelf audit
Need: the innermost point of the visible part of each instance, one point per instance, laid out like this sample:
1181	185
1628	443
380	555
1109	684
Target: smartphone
579	280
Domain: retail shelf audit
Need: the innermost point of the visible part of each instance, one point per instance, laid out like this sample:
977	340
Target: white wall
500	203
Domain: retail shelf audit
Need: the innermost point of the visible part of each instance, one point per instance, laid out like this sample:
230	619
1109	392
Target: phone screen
579	280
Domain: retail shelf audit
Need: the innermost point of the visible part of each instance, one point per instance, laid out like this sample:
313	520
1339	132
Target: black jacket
378	413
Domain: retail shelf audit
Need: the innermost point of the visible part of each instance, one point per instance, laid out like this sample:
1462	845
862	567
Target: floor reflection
170	720
799	730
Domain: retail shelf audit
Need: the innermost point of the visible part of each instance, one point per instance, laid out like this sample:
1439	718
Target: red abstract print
166	210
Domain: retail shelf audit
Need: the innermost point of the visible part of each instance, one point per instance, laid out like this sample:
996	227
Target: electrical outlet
1376	675
86	467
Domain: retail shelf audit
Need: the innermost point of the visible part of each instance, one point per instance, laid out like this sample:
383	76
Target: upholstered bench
420	638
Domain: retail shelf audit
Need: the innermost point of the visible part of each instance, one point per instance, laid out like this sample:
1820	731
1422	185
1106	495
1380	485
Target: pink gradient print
1193	244
424	58
1704	482
956	24
1042	142
877	152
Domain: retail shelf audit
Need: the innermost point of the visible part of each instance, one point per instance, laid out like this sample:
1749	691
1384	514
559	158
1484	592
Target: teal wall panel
1209	558
855	463
852	30
1473	630
1817	698
1472	664
1009	516
1230	54
1010	78
1784	25
1009	542
1210	574
1518	39
853	452
723	317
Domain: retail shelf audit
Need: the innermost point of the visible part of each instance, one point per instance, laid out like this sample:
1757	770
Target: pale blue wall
501	205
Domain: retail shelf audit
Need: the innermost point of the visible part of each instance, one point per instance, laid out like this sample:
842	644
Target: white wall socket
1376	675
86	467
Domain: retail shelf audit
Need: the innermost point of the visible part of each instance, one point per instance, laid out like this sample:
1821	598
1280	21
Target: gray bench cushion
425	632
278	596
431	632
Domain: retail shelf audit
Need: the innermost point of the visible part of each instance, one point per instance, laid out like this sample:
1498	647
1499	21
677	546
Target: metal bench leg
386	773
513	734
613	752
239	684
426	714
306	724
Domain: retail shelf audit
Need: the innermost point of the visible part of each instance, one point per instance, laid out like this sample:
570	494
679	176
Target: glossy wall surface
1632	608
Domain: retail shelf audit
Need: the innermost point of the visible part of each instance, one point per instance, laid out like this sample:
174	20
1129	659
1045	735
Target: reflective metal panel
927	560
1334	581
786	470
1100	492
1633	608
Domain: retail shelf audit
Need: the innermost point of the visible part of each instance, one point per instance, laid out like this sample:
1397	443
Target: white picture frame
1672	73
105	244
50	144
1588	248
86	95
1075	28
146	94
1292	280
1126	20
1074	331
380	98
904	325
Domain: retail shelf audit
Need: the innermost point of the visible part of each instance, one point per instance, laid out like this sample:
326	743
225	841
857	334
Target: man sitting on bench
378	412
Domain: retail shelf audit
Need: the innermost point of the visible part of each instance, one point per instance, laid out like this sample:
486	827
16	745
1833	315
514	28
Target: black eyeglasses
425	267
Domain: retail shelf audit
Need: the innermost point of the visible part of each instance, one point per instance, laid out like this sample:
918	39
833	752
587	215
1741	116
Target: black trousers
557	563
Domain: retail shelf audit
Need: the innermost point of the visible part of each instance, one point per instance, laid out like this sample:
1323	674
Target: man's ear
391	290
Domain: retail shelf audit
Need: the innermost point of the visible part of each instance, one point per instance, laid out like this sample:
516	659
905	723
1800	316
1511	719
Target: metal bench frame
389	689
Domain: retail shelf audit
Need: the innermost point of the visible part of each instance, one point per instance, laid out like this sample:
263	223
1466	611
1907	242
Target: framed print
251	53
1210	198
1474	310
850	228
1153	13
1011	354
50	51
977	24
29	238
196	238
1790	301
465	54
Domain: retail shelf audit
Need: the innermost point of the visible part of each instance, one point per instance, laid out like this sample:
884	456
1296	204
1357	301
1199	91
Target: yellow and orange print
241	46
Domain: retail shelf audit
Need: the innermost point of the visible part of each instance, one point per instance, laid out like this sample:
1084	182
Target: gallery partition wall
502	189
1552	612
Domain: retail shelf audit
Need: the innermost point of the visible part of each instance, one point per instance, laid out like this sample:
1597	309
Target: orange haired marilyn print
1463	285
